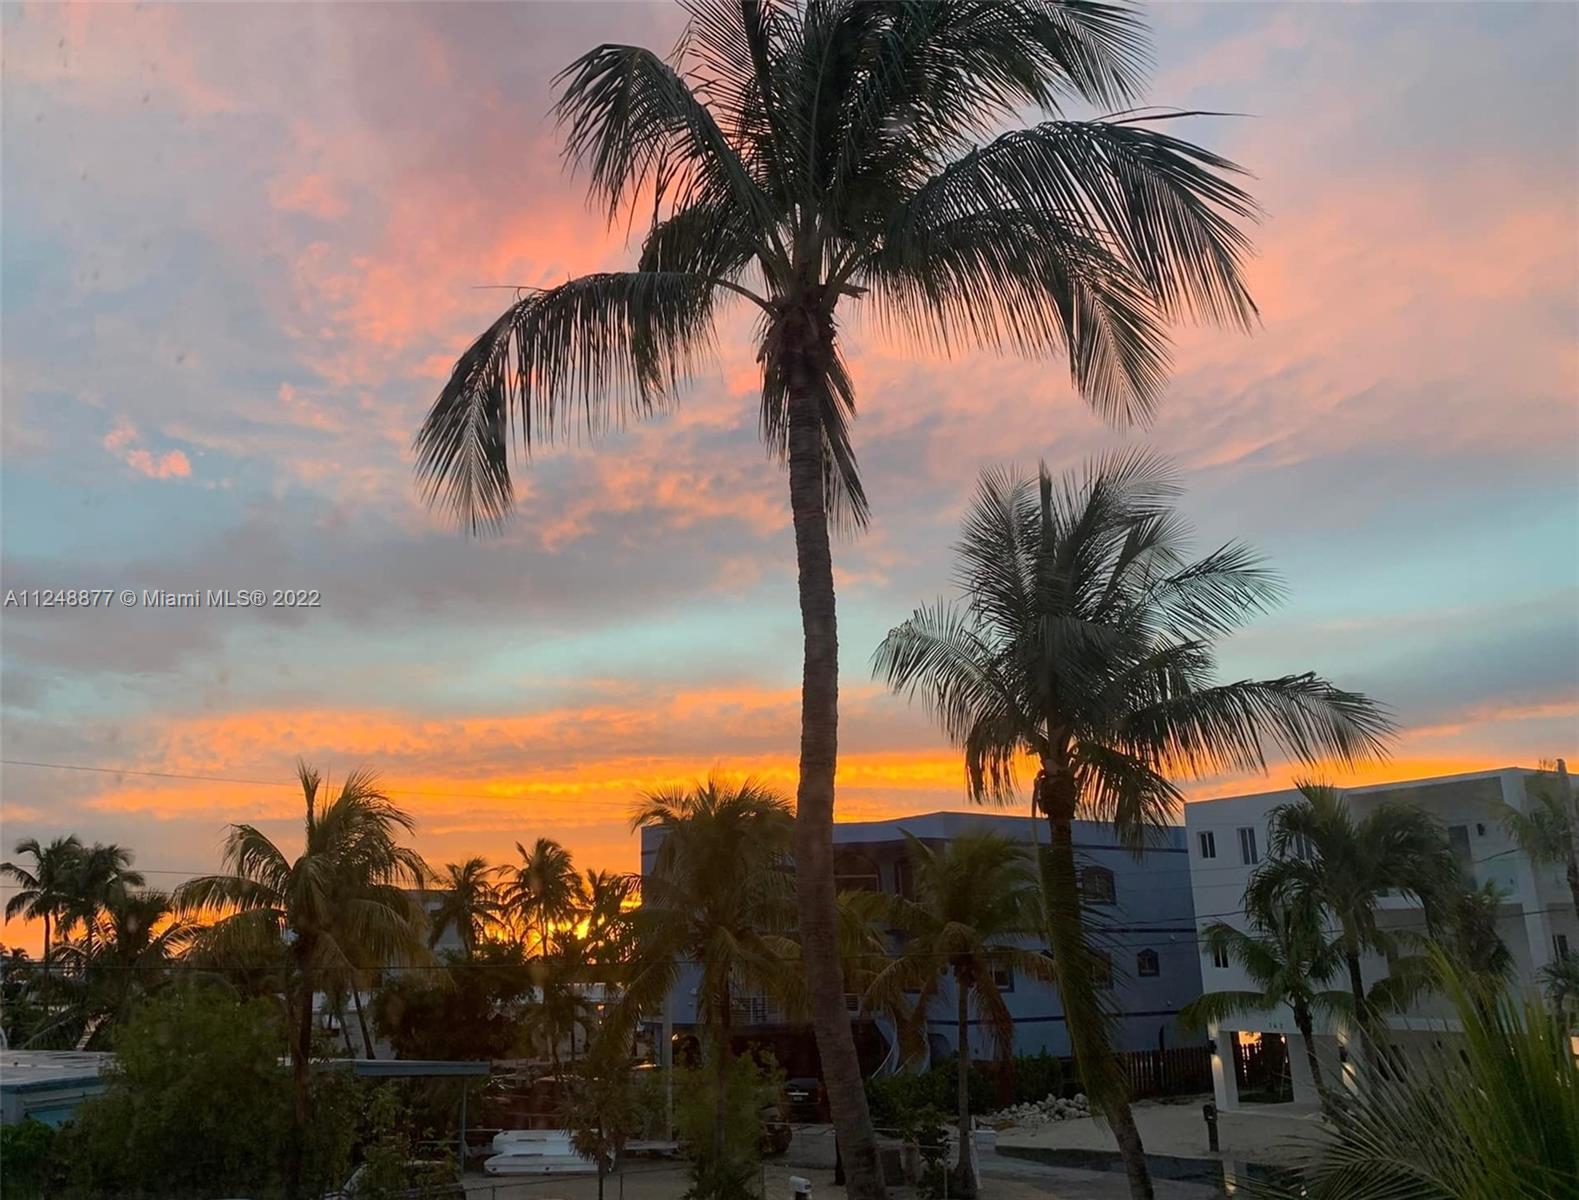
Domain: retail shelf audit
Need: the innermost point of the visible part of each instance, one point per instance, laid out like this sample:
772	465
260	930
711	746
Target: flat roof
1391	785
37	1070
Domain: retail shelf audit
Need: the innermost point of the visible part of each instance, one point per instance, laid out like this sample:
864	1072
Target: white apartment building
1228	840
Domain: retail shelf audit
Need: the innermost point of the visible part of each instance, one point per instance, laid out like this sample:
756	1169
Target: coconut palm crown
467	901
541	893
43	893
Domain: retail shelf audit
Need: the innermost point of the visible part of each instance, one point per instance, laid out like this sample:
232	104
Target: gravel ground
1277	1135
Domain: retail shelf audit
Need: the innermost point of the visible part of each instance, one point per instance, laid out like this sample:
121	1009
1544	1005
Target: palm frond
1166	206
1493	1113
597	350
633	124
1008	280
920	80
1225	728
1215	1007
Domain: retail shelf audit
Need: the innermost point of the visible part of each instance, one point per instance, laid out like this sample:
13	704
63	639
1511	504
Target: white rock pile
1041	1112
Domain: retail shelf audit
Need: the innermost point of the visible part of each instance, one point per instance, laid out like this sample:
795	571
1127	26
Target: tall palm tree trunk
301	1057
1351	959
1368	1053
1057	795
721	1078
965	1169
361	1021
815	893
1307	1033
48	943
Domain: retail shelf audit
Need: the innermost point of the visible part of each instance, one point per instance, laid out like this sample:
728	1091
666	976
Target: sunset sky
242	246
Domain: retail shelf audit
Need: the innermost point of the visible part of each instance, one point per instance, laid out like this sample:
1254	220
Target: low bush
752	1085
198	1104
895	1100
27	1160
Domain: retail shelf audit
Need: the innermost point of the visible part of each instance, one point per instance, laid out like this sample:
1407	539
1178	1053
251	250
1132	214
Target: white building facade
1228	840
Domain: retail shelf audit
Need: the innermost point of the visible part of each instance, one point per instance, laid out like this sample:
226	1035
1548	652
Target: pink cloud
314	194
170	465
123	442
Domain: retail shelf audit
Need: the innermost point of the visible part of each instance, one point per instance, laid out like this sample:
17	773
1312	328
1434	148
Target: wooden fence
1179	1071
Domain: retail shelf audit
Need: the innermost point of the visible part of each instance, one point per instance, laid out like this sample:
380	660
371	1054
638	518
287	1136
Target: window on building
1147	964
1220	957
1096	883
905	878
1101	969
1301	847
1248	853
1560	946
1003	979
1458	842
854	872
1208	844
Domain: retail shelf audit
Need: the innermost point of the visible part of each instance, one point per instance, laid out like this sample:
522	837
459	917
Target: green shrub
387	1171
27	1159
1038	1076
198	1103
751	1085
896	1099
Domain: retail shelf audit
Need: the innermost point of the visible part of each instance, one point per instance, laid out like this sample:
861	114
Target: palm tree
1471	937
563	1006
976	902
1493	1114
1085	642
42	893
1322	855
604	919
1561	982
468	902
1545	829
138	938
98	877
343	903
803	158
541	892
1288	955
718	896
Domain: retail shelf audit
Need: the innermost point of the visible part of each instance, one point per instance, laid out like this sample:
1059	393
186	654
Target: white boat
537	1152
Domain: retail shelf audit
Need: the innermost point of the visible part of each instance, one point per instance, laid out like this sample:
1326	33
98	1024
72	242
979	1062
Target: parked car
804	1099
